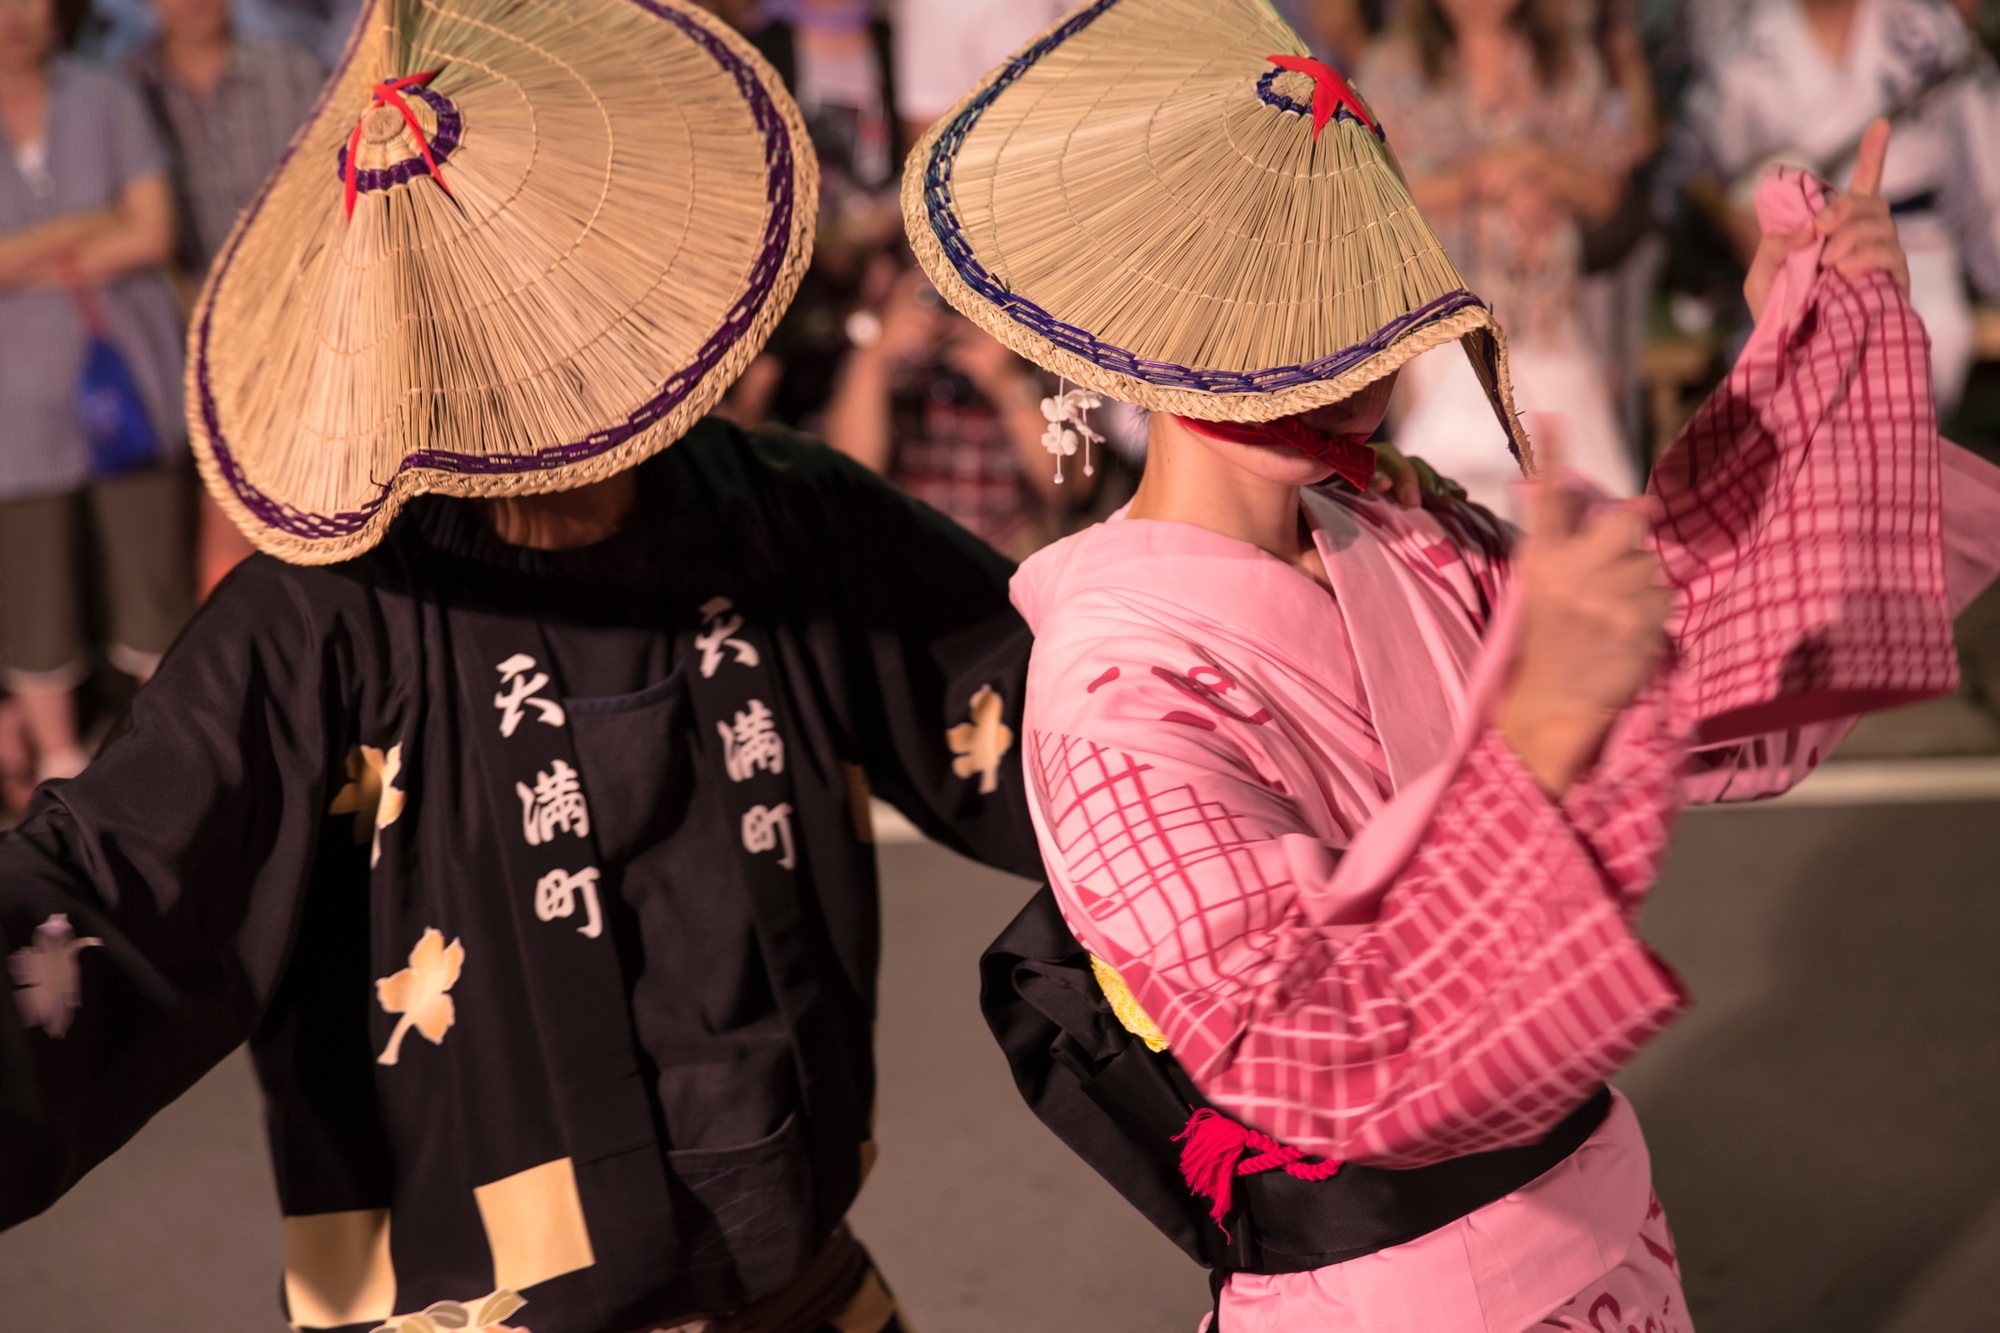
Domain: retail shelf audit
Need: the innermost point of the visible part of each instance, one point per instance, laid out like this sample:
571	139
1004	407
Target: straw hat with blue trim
516	248
1171	203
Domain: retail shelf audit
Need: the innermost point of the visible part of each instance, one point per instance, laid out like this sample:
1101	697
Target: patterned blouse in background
1522	260
99	141
224	144
952	453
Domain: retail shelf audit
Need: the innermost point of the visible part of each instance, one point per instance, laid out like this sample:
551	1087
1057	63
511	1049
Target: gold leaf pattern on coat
371	794
420	992
981	743
480	1316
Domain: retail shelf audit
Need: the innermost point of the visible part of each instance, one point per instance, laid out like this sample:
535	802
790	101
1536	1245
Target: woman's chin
1276	462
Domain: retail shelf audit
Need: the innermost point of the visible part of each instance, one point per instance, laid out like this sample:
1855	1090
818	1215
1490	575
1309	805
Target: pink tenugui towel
1830	400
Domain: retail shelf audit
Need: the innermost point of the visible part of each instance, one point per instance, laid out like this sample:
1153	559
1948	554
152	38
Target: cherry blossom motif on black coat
50	981
371	794
983	742
420	993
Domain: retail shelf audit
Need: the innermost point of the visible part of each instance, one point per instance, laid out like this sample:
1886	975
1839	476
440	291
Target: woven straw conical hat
573	223
1144	201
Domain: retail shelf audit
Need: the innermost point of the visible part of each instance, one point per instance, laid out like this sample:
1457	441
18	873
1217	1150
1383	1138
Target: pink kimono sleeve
1494	984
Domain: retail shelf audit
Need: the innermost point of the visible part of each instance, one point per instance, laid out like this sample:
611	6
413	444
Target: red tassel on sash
1214	1157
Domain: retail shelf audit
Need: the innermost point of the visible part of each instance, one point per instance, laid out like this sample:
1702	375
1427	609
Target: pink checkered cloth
1362	926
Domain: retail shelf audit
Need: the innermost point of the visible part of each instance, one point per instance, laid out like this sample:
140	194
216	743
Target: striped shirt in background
223	145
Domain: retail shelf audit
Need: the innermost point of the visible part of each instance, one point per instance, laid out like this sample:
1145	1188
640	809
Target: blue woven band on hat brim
938	237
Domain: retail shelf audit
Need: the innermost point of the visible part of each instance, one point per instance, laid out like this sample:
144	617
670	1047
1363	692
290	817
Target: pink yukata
1286	818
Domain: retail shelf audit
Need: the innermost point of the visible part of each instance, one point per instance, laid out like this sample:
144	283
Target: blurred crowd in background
1587	163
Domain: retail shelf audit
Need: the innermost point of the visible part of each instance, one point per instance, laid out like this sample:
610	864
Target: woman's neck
1832	24
1185	482
565	520
1486	54
24	101
831	28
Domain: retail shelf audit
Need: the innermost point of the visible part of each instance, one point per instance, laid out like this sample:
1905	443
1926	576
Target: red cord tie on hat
389	92
1214	1157
1348	455
1331	92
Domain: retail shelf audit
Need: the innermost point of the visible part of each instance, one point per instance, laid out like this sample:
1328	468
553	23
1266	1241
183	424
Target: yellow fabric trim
857	802
870	1151
534	1225
1134	1019
337	1269
869	1311
480	1316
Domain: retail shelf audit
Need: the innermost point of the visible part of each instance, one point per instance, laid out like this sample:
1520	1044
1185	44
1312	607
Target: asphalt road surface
1823	1124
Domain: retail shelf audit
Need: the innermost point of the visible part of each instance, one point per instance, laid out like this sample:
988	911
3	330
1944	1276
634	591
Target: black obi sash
1119	1106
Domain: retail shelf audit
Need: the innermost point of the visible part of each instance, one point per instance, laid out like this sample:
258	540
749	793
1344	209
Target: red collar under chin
1348	455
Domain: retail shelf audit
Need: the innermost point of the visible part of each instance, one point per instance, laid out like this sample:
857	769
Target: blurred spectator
954	418
1497	109
736	13
1983	18
944	47
122	27
1623	254
1797	83
225	106
836	58
84	204
318	26
1338	31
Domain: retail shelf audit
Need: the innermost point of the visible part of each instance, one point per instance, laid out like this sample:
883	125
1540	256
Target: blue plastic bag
112	413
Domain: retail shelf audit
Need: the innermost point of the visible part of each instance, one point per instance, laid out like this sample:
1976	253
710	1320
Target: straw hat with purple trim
516	248
1171	203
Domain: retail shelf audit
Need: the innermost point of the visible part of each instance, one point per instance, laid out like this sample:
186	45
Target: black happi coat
595	1025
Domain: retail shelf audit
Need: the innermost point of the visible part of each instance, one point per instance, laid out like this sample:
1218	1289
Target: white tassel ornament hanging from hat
1069	427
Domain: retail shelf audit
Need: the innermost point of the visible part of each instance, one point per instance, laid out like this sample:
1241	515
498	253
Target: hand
1594	628
1507	169
910	326
1860	235
997	373
1410	482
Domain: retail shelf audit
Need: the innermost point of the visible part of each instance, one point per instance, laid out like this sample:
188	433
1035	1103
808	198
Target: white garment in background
944	47
31	159
1772	92
1448	421
847	88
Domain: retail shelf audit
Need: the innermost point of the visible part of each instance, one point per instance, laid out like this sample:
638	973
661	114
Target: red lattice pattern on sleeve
1498	987
1623	809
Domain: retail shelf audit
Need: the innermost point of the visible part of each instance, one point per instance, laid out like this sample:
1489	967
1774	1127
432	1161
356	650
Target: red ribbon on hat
1348	455
389	92
1331	91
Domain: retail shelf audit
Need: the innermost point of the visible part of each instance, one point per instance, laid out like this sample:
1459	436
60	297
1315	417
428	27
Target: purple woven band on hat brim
763	276
444	143
1080	342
